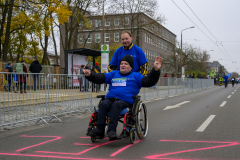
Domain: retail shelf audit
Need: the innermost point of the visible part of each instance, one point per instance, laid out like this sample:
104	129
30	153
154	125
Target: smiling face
125	67
126	39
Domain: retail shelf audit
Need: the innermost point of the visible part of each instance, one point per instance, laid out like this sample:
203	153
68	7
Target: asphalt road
203	125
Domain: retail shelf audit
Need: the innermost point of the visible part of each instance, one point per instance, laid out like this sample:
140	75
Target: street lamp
181	34
176	65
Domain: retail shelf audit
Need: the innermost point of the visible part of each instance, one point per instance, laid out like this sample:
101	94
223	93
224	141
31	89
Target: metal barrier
45	97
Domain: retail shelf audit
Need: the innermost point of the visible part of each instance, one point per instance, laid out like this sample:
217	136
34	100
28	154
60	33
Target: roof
84	51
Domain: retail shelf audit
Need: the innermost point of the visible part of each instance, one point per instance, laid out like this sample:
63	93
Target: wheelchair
135	121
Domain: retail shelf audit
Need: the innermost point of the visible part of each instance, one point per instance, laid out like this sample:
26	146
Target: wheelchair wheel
93	139
132	136
141	120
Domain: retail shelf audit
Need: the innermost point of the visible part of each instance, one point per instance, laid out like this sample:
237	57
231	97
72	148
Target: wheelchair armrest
101	96
136	97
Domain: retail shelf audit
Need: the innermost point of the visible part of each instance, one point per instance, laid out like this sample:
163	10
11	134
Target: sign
229	74
104	58
76	61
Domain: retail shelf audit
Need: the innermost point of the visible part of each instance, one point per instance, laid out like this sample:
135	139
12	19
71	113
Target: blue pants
35	78
9	85
115	108
85	85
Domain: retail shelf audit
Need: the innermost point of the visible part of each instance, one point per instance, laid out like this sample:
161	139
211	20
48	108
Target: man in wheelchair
124	84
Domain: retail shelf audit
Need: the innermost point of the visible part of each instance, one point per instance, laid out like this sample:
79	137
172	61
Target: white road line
205	124
229	96
176	105
232	92
224	102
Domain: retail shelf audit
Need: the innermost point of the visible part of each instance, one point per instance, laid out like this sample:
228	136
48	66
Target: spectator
23	78
166	79
86	80
35	68
96	69
15	77
81	77
9	76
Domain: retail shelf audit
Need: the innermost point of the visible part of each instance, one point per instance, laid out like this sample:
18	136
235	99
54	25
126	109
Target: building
52	58
217	68
152	37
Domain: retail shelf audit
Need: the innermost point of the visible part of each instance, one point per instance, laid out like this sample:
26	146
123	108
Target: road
203	125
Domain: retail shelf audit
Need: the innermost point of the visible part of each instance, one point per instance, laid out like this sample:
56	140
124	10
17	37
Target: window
98	23
116	37
97	38
80	39
116	22
90	21
89	40
145	37
107	23
51	61
81	24
126	21
107	37
59	62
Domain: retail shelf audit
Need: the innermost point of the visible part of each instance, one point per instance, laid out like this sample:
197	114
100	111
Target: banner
229	74
77	60
104	58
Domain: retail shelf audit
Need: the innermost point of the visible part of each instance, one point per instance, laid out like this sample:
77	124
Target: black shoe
112	135
97	132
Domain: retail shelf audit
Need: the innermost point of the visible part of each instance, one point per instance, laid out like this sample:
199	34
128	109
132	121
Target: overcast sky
217	27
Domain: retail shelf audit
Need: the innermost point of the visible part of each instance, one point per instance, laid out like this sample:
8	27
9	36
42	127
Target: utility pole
103	21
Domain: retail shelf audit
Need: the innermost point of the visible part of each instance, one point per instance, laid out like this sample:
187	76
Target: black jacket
35	67
148	81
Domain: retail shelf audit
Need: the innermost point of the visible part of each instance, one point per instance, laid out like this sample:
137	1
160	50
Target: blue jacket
225	78
124	87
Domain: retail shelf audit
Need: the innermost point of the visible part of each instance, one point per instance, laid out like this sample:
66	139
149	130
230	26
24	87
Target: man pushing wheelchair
124	84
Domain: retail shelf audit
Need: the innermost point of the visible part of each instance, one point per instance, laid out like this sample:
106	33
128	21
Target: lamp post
181	34
176	65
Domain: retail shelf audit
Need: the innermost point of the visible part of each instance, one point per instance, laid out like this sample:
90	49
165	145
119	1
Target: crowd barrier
45	97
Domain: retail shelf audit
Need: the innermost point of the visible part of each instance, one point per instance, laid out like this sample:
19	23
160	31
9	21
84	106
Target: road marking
177	105
229	96
205	124
224	102
232	92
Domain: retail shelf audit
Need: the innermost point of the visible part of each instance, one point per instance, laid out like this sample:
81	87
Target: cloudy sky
217	27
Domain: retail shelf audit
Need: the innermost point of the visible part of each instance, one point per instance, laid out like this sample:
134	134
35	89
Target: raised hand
87	72
157	63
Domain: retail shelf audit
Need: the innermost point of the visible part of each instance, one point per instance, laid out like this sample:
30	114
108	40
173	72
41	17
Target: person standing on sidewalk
226	80
86	80
23	78
9	76
96	69
35	67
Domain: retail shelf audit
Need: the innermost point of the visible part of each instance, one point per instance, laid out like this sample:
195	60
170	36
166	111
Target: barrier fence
45	97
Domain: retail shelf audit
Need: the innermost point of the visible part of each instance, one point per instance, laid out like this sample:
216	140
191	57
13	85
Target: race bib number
232	79
119	82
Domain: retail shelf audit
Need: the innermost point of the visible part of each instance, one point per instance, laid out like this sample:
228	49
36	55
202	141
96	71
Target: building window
81	24
126	21
116	21
90	22
80	39
107	37
116	37
51	61
59	62
145	37
97	38
107	23
98	23
89	40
